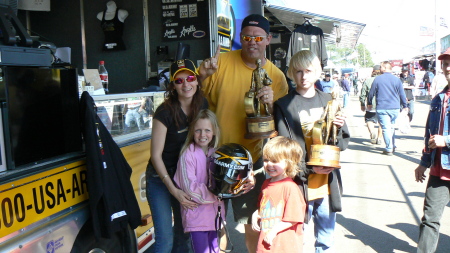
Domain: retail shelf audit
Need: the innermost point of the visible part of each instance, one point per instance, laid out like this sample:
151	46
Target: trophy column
259	125
324	151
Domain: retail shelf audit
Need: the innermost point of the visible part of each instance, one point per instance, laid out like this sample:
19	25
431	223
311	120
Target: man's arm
267	94
420	173
372	93
434	141
363	95
209	66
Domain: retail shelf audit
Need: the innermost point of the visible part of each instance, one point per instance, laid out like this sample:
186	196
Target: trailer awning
340	32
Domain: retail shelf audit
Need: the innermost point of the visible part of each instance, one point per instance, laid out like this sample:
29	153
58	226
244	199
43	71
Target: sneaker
387	153
378	141
373	139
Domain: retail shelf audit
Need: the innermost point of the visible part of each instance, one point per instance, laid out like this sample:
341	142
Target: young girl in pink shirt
192	177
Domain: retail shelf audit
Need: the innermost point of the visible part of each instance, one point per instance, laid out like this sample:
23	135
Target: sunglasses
187	79
256	38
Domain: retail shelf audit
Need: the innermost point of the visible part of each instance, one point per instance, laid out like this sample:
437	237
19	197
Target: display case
128	117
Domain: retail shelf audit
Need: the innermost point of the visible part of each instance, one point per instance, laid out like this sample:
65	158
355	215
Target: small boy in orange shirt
281	204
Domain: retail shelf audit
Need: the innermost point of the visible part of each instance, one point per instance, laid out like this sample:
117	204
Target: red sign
397	63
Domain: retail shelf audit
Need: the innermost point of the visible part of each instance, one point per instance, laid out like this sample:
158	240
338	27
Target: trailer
44	202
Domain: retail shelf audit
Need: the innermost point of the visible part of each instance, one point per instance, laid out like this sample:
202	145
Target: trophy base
324	155
259	127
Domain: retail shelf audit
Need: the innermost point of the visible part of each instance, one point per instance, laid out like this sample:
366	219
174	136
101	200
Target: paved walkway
382	203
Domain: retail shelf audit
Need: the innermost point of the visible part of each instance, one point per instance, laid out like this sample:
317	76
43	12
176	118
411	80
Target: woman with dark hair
183	100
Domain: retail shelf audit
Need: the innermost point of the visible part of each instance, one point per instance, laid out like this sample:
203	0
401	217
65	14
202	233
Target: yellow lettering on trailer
31	199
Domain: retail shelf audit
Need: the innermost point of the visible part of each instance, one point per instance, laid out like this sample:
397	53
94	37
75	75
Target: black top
308	37
288	123
175	137
408	81
113	30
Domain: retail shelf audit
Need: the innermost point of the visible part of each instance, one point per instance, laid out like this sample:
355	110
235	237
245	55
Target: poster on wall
225	25
34	5
184	19
230	14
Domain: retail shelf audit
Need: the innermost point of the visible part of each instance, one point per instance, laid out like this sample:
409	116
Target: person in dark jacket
436	156
408	86
346	86
295	115
370	116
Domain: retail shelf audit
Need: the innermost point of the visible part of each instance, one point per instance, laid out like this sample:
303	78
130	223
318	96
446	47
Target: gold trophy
259	126
324	151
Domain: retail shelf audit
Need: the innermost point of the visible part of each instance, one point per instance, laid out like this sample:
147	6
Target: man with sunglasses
226	78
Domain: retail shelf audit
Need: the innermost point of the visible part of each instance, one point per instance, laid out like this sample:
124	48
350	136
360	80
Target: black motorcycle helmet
228	170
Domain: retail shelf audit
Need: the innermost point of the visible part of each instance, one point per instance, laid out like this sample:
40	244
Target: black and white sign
184	19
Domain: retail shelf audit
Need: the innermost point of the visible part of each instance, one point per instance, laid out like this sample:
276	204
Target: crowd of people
204	108
393	93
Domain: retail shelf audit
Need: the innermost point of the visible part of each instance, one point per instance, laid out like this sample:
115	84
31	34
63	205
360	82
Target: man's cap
335	75
181	65
446	53
377	67
256	20
327	75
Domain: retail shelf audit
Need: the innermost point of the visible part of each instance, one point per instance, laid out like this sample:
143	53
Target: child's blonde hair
203	114
302	60
283	148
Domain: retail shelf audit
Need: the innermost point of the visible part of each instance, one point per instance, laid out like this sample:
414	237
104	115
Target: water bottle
103	76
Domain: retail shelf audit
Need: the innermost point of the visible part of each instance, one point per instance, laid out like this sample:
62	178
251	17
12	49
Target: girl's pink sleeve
186	179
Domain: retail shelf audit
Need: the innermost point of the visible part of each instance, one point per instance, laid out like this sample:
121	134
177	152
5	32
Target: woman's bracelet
166	175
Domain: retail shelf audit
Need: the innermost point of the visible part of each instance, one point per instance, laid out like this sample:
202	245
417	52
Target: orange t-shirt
281	201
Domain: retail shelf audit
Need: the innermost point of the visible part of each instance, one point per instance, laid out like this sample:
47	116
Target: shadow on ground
375	238
363	144
413	233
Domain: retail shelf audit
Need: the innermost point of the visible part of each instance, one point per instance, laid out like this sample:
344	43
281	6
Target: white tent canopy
337	31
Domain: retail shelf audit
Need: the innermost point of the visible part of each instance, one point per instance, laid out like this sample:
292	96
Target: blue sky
392	26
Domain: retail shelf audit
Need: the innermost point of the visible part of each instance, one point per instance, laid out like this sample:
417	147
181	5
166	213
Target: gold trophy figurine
324	151
258	126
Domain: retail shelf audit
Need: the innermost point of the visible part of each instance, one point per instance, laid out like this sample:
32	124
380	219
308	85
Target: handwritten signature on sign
187	31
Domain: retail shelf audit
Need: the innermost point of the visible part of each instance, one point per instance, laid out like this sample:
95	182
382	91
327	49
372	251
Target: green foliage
350	57
364	56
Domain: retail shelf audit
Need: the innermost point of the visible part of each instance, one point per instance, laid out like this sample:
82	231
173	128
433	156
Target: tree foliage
350	57
364	56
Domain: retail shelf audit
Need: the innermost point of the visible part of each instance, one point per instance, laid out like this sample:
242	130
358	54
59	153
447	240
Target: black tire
86	242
